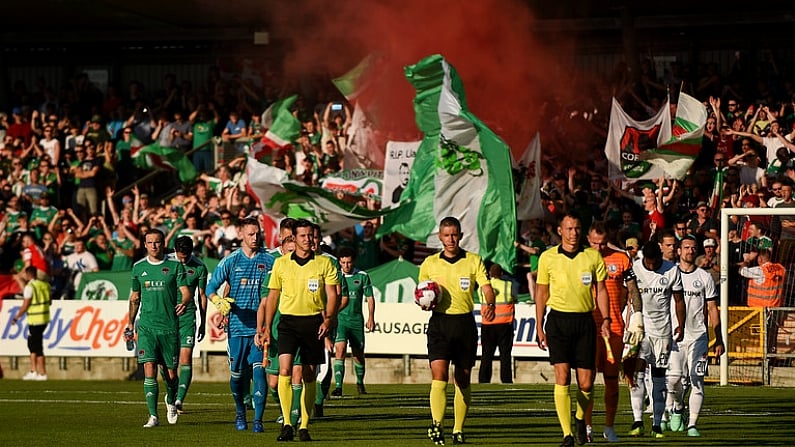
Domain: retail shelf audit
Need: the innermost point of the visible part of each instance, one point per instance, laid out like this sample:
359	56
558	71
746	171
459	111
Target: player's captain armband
629	275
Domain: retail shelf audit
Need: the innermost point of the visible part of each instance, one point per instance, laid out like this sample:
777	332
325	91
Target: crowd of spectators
67	168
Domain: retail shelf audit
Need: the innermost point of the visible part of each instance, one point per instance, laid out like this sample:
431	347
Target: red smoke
507	73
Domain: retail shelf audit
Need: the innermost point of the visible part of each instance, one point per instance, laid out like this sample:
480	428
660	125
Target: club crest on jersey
464	283
586	278
261	267
612	268
165	270
191	272
698	284
356	282
313	285
243	281
663	281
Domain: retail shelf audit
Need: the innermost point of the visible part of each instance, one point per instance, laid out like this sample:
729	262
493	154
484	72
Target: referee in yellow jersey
452	333
568	275
304	287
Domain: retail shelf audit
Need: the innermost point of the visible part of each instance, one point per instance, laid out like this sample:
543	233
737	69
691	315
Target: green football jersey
196	274
159	286
359	287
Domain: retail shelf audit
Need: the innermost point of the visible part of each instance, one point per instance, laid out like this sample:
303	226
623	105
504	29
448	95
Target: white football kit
656	290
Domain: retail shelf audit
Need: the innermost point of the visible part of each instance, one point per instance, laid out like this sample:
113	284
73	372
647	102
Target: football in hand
427	294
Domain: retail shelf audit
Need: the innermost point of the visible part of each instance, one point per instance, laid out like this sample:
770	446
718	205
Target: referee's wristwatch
607	319
492	305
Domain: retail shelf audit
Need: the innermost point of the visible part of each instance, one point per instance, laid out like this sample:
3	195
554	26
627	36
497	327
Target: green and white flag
462	169
169	158
283	129
282	197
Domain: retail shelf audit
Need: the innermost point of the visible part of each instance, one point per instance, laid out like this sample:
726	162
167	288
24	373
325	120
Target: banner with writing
96	329
397	167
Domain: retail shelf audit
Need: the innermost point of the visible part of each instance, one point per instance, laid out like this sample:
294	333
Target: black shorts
454	338
301	332
36	339
571	338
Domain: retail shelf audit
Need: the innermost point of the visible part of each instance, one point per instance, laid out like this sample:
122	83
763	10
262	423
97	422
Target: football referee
567	274
452	333
303	286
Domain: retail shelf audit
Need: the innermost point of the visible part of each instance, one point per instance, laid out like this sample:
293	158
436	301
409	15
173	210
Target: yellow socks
563	408
285	397
438	400
463	397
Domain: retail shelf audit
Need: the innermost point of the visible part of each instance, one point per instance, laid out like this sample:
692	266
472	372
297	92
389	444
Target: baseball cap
631	243
710	243
96	119
702	203
16	111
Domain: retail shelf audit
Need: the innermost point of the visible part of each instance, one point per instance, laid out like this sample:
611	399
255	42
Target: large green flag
461	169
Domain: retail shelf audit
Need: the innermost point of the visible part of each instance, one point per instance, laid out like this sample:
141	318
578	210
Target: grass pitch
93	413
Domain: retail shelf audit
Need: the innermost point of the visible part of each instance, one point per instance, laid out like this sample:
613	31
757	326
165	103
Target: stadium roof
50	21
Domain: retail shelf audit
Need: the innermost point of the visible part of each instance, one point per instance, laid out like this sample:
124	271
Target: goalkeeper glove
635	328
223	304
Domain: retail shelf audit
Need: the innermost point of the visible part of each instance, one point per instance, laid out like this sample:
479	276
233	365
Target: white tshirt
656	290
699	287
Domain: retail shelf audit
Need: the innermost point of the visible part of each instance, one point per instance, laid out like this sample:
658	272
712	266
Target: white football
427	294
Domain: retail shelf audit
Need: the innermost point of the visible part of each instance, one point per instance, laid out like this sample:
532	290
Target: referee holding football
452	333
303	286
567	274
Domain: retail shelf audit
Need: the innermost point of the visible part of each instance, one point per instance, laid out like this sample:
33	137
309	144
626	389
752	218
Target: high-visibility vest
503	298
39	309
770	291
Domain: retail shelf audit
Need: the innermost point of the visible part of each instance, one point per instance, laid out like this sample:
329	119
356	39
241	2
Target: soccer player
620	283
660	283
36	304
325	370
196	274
244	270
688	362
350	329
303	287
452	333
160	290
568	276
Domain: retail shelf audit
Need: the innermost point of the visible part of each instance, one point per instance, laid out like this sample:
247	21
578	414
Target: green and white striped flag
282	197
169	158
462	169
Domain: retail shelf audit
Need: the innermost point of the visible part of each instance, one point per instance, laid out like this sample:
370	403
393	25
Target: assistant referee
567	274
303	286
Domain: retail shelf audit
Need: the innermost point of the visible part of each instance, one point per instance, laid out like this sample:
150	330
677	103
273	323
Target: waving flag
363	150
282	197
527	182
461	169
629	140
355	82
283	129
676	155
169	158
